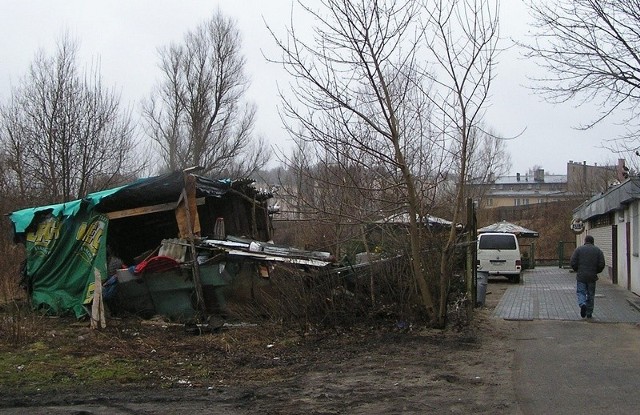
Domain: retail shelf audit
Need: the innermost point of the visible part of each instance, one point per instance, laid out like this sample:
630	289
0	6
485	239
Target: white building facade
613	219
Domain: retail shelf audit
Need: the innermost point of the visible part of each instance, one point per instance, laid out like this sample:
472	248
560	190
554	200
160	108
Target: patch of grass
39	368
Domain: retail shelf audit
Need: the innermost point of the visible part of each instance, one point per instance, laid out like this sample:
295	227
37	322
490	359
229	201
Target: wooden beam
141	210
147	209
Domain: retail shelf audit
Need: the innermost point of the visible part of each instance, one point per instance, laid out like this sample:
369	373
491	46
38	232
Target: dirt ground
246	368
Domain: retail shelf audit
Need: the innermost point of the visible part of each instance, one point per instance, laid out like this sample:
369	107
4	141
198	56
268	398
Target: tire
515	279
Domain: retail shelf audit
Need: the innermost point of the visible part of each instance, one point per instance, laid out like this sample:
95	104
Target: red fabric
156	264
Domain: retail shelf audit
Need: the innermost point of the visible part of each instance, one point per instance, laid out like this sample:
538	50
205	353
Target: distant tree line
63	133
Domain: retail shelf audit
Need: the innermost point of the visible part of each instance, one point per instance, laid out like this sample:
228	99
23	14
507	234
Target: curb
635	303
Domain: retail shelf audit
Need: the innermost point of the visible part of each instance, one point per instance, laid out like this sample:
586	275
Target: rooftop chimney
622	171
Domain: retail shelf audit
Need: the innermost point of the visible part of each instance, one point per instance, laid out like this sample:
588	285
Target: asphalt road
567	365
570	367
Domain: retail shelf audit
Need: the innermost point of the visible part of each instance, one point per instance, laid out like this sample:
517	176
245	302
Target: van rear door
499	253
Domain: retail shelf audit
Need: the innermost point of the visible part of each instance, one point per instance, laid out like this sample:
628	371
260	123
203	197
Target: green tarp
66	242
64	252
22	218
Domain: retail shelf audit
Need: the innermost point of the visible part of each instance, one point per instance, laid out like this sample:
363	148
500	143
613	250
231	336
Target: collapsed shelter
178	238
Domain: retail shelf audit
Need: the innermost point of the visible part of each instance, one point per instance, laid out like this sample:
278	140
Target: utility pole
471	255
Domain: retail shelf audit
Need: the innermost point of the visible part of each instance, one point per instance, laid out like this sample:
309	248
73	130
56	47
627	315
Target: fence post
532	255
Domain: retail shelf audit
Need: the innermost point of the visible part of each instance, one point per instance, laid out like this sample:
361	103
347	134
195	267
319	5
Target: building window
526	201
516	202
602	220
489	202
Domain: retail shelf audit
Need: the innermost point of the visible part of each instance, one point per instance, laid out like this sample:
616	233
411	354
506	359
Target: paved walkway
564	364
549	293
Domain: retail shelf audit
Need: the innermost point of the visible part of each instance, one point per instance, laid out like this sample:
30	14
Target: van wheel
515	279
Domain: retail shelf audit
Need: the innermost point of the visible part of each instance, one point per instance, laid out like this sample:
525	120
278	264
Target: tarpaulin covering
165	188
62	252
65	242
23	218
155	190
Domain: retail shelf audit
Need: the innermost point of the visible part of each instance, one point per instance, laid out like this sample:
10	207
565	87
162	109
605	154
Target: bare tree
63	130
365	96
355	101
462	37
488	160
589	50
489	157
197	115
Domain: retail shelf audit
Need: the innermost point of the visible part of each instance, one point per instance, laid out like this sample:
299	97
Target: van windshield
497	242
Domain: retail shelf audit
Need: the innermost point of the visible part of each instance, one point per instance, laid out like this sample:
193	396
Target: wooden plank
147	209
187	211
142	210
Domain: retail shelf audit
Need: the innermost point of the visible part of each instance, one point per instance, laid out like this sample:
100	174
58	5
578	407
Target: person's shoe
589	316
583	310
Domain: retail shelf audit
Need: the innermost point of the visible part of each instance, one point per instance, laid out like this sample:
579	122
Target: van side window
497	242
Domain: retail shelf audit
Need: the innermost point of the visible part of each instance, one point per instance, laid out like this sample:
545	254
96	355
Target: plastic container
174	248
482	279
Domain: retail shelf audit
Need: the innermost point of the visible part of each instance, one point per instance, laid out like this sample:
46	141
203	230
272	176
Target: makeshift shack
176	239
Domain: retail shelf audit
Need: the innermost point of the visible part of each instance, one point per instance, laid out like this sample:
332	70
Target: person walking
588	261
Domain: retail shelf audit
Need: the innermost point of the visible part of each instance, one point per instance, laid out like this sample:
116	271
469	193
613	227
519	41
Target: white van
499	254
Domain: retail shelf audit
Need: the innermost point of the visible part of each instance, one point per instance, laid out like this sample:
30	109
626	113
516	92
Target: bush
379	294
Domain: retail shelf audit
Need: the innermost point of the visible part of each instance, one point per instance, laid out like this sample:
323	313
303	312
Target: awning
615	198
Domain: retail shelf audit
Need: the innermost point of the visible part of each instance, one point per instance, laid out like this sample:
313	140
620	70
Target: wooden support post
188	193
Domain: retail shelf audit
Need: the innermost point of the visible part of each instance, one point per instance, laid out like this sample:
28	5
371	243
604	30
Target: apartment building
581	180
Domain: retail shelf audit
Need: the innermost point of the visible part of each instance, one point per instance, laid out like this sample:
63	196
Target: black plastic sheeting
161	189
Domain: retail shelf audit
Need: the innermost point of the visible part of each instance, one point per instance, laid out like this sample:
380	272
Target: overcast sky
124	36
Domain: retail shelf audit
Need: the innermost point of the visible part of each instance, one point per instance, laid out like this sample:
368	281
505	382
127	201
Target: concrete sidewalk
564	364
549	293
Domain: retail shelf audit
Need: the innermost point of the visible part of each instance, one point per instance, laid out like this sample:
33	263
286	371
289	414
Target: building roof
528	193
524	179
403	218
613	199
508	227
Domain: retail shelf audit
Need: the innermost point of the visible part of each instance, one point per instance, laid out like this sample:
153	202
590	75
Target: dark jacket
587	260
